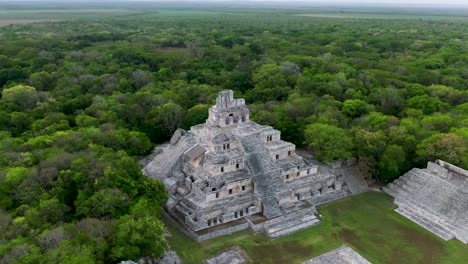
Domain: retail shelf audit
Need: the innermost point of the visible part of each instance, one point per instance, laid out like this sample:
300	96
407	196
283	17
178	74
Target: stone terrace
342	255
436	198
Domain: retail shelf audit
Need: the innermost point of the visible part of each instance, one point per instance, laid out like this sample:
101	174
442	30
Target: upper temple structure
230	173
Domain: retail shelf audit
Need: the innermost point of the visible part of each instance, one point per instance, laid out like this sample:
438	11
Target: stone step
461	235
426	209
403	185
164	162
290	217
186	207
327	197
291	209
413	184
270	207
395	190
289	223
300	205
431	215
407	180
183	210
430	211
433	228
415	175
418	178
389	190
409	189
292	229
420	219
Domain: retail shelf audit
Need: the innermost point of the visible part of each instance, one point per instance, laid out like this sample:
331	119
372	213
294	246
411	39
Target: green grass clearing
365	222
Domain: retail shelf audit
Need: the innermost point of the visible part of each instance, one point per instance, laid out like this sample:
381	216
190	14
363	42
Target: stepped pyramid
223	174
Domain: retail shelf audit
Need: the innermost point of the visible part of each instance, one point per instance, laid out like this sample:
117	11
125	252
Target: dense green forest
82	101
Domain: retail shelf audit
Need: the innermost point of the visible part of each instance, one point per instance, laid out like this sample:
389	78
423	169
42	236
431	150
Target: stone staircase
406	185
432	202
270	207
423	218
299	205
266	185
163	163
287	224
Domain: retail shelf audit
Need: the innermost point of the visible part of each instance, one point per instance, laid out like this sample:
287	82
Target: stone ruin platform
232	256
285	224
436	198
342	255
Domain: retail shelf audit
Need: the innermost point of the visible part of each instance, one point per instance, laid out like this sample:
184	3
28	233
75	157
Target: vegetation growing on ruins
82	100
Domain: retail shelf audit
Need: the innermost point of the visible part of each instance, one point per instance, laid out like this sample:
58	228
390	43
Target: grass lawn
365	222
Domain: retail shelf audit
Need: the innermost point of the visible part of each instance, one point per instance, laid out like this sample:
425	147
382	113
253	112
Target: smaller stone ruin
232	256
436	198
342	255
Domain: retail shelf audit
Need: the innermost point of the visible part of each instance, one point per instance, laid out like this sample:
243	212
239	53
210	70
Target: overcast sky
440	2
401	3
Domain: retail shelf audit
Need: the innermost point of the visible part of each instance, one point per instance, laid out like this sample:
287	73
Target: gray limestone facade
231	173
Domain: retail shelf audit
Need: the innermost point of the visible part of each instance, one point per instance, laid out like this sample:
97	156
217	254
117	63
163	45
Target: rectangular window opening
222	169
230	191
277	156
217	195
237	165
243	187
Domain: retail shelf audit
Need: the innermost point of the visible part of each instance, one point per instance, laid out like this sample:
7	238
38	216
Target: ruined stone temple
436	198
231	173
